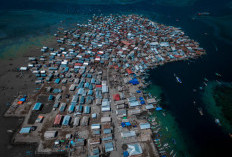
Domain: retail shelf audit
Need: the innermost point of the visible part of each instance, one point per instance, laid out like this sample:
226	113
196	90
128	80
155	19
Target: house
94	141
105	119
39	119
126	134
144	126
37	106
95	126
109	147
76	121
134	149
57	120
50	134
85	121
66	120
121	112
25	130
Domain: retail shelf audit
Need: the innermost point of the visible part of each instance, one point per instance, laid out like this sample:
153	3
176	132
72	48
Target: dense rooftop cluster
91	99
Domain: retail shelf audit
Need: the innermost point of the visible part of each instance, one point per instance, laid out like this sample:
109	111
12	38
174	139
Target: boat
230	135
205	83
203	14
217	74
206	79
177	78
217	121
171	152
200	111
10	131
164	114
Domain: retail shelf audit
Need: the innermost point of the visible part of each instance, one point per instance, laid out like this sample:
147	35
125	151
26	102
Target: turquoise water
21	29
169	130
214	110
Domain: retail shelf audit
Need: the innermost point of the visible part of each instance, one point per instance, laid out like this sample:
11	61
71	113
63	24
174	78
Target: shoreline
12	85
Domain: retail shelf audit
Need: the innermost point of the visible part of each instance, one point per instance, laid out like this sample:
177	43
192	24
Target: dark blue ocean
21	21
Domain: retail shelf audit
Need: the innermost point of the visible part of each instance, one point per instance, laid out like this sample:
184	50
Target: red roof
78	64
115	67
98	86
129	71
178	56
116	97
125	42
58	119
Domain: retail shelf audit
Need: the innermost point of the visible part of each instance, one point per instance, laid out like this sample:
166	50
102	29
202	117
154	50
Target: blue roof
142	102
91	87
22	99
81	91
109	147
87	85
90	92
56	90
96	132
79	108
125	154
25	130
107	138
134	149
128	123
71	108
92	80
50	97
87	110
107	131
57	81
144	126
66	120
134	81
82	100
158	109
123	124
37	106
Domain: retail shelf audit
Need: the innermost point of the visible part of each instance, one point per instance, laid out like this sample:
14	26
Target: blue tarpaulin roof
128	124
125	154
142	102
22	99
134	81
158	109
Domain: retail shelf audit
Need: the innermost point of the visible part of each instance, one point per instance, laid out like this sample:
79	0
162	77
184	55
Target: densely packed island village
91	99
